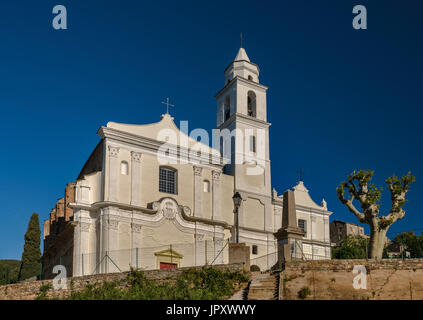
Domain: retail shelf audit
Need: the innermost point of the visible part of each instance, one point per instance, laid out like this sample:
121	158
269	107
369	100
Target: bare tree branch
349	202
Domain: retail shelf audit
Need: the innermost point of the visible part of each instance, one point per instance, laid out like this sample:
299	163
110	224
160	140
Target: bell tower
244	139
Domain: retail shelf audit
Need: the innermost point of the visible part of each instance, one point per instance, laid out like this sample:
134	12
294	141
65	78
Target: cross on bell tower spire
300	172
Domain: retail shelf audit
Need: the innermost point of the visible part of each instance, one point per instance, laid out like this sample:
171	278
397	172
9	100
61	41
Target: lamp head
237	199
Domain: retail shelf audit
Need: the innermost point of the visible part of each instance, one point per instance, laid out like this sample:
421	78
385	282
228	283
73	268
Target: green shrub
192	284
42	295
304	292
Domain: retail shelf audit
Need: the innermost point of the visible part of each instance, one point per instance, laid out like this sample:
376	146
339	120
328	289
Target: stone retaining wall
30	290
390	279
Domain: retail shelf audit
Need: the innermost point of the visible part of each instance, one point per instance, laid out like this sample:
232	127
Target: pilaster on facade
113	173
216	204
82	194
326	229
268	211
136	178
218	250
136	245
113	254
200	250
81	244
198	192
313	227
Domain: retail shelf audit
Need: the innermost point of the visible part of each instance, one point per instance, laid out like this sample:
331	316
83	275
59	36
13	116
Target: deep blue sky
339	99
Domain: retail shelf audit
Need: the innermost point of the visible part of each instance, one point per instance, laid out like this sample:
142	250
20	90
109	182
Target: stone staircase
263	286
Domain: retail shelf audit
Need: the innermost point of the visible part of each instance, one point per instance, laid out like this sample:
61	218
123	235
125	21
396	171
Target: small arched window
251	104
168	180
227	108
124	169
206	185
250	77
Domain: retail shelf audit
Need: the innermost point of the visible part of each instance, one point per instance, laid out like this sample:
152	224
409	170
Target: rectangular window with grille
167	180
302	224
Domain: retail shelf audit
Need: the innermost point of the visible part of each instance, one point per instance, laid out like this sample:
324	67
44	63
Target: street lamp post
237	202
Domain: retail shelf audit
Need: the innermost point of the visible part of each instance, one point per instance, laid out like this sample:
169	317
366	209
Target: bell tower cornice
247	82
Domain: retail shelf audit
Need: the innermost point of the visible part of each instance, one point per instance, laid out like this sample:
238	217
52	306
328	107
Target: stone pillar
216	206
289	236
198	192
239	253
200	259
113	173
136	245
136	196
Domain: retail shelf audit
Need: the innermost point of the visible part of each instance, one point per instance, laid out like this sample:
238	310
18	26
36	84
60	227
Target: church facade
130	208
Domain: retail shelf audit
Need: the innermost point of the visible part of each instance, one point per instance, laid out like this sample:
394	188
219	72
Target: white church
128	209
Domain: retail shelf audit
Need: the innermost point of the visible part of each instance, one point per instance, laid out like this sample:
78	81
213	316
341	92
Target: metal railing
199	253
265	262
298	254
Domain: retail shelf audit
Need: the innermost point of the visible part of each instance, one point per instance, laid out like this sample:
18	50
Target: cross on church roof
240	36
167	105
301	172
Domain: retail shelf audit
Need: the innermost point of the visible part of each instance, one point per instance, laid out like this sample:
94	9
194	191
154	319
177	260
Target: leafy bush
42	295
193	284
411	242
304	292
353	247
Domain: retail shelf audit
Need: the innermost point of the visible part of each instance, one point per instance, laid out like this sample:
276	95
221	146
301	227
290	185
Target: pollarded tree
368	196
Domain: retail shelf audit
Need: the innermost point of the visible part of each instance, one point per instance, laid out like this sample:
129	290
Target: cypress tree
30	265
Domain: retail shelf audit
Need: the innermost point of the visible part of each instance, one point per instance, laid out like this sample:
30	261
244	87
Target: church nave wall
226	203
150	182
124	176
253	214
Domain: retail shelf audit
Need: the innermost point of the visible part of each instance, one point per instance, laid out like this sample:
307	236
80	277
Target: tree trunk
377	242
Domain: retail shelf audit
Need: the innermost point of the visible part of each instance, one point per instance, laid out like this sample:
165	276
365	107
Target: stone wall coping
30	289
338	264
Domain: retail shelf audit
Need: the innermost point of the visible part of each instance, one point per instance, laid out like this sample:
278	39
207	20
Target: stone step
266	291
267	284
261	296
264	282
262	287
